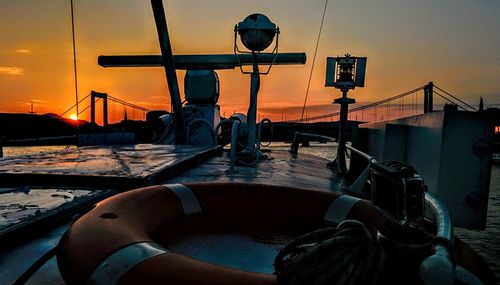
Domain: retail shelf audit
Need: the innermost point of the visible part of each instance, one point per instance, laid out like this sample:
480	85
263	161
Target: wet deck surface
304	171
17	205
149	164
132	165
45	188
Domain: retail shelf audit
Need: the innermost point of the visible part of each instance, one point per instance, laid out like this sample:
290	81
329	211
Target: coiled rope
344	255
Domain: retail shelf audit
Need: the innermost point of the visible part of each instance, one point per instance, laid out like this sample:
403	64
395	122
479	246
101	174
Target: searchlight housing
257	33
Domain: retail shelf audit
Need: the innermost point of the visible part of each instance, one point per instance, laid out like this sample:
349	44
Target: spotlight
257	32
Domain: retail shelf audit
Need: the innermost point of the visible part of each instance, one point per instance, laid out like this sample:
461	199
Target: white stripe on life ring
189	202
339	208
112	269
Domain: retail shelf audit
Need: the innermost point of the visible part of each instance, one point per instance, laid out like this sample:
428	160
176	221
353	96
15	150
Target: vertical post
92	110
342	132
252	108
105	110
168	63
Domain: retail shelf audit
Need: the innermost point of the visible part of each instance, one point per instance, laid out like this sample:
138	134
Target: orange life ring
132	227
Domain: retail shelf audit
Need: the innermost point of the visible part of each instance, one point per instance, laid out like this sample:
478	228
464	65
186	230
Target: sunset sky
455	43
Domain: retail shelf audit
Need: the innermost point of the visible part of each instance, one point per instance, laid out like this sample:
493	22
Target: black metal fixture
257	33
344	73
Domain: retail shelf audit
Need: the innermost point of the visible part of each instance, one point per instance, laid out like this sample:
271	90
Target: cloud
11	70
23	51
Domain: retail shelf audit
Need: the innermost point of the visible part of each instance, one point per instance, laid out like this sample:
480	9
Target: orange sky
408	43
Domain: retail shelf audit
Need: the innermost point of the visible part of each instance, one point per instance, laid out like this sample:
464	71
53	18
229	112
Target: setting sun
73	117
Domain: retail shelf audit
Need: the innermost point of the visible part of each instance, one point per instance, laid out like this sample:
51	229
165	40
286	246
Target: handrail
368	157
294	147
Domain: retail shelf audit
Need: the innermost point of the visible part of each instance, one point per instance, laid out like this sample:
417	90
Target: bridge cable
447	99
71	108
85	109
473	108
314	61
367	106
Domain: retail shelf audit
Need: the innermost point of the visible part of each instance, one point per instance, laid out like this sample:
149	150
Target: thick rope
344	255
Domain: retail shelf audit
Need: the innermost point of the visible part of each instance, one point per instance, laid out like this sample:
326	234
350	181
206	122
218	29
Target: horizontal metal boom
212	61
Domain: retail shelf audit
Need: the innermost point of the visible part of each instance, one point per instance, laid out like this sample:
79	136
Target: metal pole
74	65
342	133
168	63
252	108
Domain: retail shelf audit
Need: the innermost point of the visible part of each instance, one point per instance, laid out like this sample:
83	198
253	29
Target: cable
81	100
314	61
85	109
371	105
447	99
456	98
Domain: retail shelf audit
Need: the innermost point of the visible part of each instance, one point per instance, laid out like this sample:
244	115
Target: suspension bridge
423	99
95	97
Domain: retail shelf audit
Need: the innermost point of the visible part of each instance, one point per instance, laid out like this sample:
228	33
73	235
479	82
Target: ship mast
74	64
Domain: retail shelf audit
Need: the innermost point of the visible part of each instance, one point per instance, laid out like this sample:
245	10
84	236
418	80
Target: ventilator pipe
200	120
234	143
217	128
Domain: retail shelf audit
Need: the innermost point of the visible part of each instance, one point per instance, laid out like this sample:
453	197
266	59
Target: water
486	242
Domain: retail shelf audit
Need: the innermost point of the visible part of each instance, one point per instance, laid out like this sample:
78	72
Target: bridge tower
104	97
428	97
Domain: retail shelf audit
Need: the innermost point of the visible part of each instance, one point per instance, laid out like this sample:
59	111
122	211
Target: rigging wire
314	61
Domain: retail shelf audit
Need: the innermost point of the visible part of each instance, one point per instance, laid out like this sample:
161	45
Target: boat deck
105	171
280	168
40	190
128	166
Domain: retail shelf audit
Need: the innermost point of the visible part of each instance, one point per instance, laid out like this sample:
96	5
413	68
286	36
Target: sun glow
73	117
